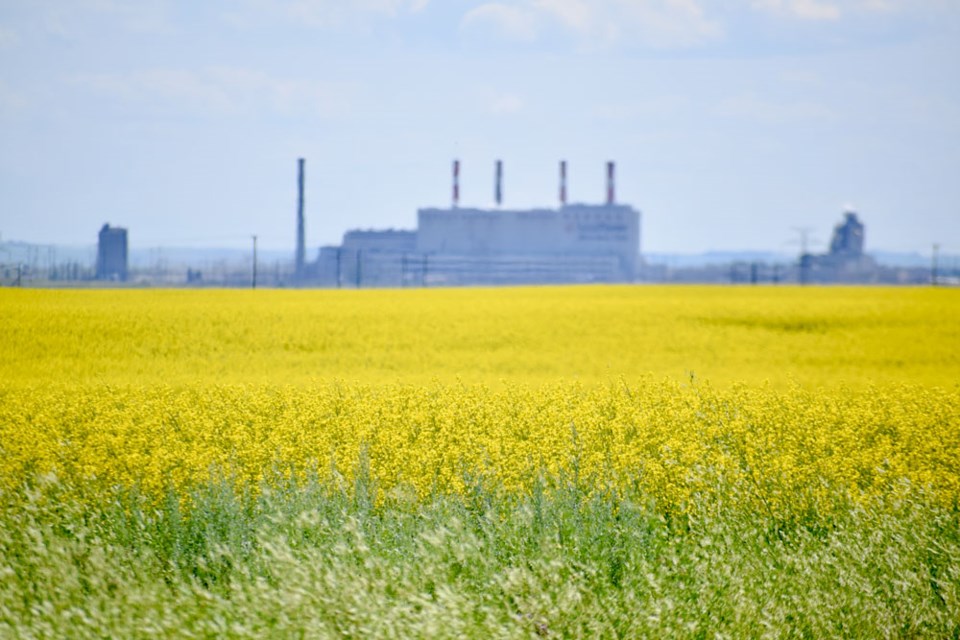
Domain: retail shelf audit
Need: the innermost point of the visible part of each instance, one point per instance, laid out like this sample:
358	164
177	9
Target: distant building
846	261
573	243
847	241
112	254
389	240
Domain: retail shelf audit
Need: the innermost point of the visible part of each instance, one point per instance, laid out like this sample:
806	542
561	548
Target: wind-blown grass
309	559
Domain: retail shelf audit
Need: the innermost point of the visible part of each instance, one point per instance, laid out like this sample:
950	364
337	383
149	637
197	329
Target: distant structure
846	261
456	184
847	241
299	266
384	240
611	188
112	254
563	183
473	246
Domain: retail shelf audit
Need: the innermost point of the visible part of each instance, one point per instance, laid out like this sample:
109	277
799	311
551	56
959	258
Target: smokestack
611	194
456	183
498	188
301	242
563	183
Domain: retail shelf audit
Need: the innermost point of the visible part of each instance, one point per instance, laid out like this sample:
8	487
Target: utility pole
934	265
804	257
254	283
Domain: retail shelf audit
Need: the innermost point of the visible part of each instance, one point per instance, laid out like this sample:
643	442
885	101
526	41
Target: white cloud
324	13
219	91
602	23
513	23
832	10
815	10
889	6
67	18
506	104
801	9
8	38
880	5
765	111
661	106
491	100
11	100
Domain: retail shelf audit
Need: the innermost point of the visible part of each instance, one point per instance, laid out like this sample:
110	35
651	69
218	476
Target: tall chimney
611	194
456	183
563	183
498	188
301	241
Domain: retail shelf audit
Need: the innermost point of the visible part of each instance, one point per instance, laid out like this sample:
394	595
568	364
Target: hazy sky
732	121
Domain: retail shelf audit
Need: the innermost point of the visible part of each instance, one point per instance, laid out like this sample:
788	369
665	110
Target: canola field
517	462
815	337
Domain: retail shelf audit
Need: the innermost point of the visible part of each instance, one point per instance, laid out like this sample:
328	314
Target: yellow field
786	335
798	395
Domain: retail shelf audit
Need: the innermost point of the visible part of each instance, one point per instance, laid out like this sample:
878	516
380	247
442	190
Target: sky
733	123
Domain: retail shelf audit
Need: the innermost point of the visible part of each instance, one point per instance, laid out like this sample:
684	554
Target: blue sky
732	121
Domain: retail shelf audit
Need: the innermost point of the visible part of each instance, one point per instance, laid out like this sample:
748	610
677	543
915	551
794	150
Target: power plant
573	243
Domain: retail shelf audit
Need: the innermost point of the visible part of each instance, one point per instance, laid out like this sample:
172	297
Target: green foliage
313	559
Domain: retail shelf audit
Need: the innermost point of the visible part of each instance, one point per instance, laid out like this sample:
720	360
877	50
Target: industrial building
846	261
112	254
573	243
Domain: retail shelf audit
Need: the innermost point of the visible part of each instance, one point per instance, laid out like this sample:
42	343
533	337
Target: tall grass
309	559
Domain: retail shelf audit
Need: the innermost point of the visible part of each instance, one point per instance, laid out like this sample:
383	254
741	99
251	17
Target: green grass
312	560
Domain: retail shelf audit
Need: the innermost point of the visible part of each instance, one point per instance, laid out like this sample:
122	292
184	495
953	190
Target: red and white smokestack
498	187
611	193
563	183
456	183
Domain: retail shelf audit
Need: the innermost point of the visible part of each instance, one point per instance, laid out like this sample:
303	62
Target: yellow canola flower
780	399
779	452
536	335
